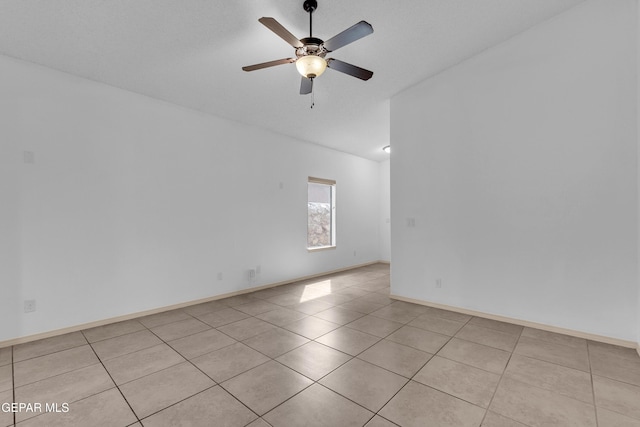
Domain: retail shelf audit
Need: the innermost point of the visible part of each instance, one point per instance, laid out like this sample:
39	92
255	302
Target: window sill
320	248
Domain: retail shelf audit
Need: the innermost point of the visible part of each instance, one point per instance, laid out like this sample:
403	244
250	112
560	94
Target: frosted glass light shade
311	66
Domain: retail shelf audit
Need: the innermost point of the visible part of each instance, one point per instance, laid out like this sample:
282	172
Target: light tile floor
333	351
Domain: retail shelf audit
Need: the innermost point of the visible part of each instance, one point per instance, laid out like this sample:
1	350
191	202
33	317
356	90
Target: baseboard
75	328
638	349
544	327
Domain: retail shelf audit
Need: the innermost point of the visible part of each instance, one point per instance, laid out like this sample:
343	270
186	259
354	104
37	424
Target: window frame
331	183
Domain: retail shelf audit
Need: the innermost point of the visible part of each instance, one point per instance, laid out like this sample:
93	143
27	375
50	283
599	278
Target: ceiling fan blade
352	70
349	35
268	64
306	86
277	28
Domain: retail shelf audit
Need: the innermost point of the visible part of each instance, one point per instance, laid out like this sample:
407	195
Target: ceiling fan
311	51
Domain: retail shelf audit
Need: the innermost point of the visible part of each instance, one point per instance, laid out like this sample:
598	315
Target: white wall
520	169
385	211
134	204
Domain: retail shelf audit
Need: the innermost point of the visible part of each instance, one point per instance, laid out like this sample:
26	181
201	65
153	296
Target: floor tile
617	396
337	299
395	313
140	363
377	298
125	344
361	306
364	383
560	379
554	338
416	403
65	388
204	308
375	326
47	346
410	307
5	356
269	292
6	418
564	355
229	361
286	299
436	324
457	379
537	407
314	360
112	330
490	337
201	343
612	419
106	409
378	421
246	328
266	386
238	300
495	420
180	329
39	368
477	355
212	404
256	307
339	315
222	317
6	378
311	327
259	423
275	342
420	339
317	406
348	340
311	307
356	293
615	364
450	315
281	316
496	325
157	391
163	318
609	350
398	358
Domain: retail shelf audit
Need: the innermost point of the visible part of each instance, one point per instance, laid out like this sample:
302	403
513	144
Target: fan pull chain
312	100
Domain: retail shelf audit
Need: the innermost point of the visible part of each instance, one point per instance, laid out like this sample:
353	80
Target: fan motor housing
312	46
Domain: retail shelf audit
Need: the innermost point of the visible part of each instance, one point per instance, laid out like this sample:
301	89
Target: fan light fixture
386	149
311	66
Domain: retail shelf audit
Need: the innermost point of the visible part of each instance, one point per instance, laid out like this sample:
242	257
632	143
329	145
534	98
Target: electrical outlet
29	305
438	283
252	274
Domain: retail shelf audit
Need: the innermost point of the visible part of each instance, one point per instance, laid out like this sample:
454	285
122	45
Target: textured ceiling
190	53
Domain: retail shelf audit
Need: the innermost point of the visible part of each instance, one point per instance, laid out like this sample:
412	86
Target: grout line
493	395
114	382
593	389
13	382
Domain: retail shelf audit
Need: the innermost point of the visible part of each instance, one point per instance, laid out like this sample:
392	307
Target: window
321	213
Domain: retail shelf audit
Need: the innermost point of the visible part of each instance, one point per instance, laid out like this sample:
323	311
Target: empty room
319	213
